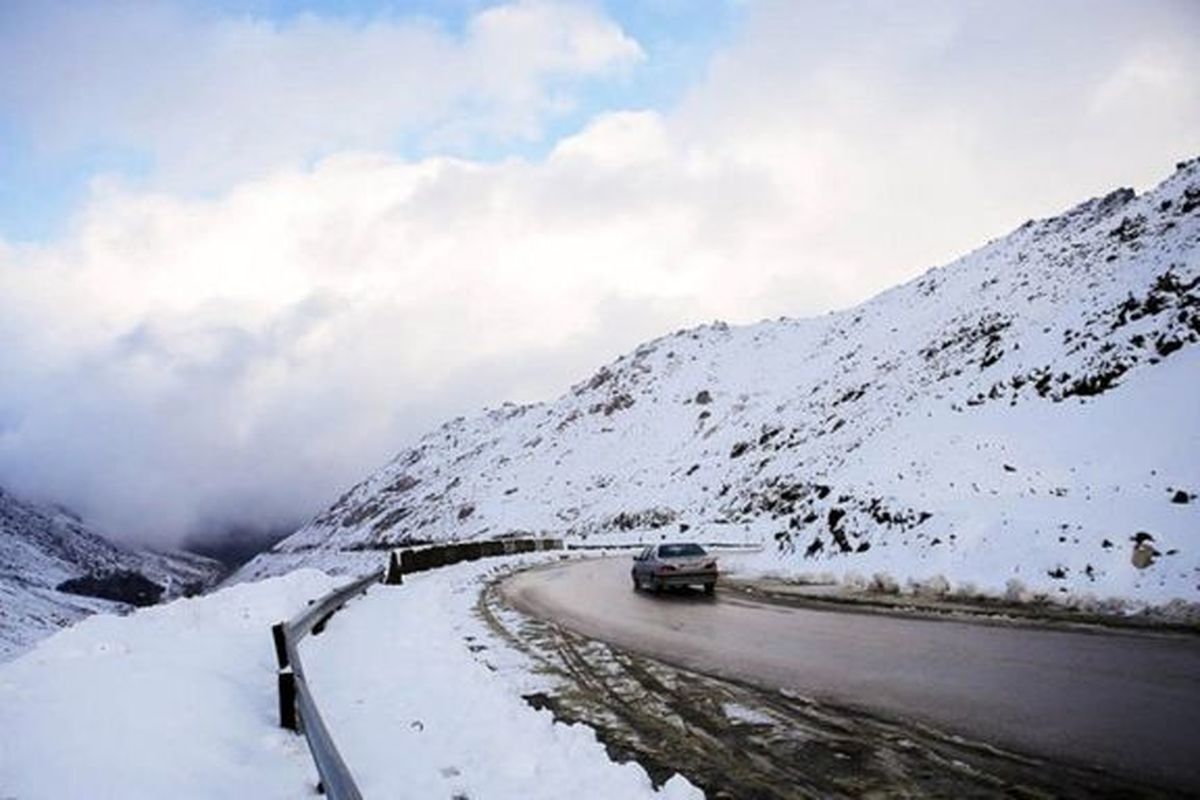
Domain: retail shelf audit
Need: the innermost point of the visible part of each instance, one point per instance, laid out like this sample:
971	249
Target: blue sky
39	190
42	186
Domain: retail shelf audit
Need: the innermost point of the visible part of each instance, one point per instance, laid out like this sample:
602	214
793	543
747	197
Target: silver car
682	564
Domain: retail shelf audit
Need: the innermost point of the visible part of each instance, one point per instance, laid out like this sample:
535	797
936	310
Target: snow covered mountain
1027	413
43	550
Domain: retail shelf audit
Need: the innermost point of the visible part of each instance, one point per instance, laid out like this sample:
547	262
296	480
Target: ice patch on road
740	713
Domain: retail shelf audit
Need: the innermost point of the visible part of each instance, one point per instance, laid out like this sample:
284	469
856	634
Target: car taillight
666	568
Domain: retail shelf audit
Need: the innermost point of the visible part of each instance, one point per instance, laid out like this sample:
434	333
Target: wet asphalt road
1126	702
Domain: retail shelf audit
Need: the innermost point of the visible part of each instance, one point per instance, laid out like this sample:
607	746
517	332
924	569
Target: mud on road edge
977	610
737	741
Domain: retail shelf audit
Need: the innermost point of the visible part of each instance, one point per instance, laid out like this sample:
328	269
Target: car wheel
710	587
637	585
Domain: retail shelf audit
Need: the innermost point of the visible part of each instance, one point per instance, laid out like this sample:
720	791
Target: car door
642	563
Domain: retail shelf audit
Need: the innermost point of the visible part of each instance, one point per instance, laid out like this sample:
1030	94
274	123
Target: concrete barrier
427	557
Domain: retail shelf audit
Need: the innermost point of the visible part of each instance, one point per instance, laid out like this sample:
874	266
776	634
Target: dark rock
390	519
401	484
122	586
835	517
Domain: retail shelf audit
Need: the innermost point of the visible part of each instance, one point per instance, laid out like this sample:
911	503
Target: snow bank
176	700
424	701
180	701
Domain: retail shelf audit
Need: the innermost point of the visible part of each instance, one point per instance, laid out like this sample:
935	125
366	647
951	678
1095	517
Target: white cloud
177	360
215	99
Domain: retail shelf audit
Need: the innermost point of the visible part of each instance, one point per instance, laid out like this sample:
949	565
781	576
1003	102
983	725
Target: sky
250	250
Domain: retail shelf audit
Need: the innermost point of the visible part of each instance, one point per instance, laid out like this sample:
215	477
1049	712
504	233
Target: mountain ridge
978	422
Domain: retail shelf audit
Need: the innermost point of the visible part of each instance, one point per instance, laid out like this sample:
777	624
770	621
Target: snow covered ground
426	702
179	701
175	700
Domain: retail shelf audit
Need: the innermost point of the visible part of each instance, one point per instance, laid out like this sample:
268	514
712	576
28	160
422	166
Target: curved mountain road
1128	703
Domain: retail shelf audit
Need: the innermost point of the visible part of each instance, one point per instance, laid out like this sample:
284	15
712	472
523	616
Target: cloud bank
178	362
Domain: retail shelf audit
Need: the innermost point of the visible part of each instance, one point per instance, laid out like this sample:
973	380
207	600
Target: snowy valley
55	570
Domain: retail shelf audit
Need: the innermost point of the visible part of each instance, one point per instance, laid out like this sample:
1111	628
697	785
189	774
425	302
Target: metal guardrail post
287	700
395	575
279	635
297	711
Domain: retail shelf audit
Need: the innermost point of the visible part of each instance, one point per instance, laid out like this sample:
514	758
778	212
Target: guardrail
419	559
297	708
642	545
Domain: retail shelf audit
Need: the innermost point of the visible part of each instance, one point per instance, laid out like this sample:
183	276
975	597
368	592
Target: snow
172	700
1019	414
180	700
425	701
1018	522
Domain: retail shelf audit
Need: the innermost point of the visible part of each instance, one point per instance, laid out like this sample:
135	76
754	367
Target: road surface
1128	703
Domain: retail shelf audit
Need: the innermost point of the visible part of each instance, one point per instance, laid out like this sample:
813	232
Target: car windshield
680	550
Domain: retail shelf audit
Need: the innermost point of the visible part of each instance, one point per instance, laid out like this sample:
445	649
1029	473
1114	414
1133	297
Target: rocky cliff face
1027	413
55	569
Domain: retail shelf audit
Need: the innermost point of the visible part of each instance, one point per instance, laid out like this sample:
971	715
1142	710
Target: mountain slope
42	548
1026	412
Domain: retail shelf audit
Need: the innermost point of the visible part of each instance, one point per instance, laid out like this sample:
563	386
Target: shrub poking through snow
937	586
1015	591
883	583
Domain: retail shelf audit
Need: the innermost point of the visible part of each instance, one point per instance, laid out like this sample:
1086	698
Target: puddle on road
739	742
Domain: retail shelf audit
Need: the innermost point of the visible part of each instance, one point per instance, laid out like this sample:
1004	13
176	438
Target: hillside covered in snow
55	570
1024	416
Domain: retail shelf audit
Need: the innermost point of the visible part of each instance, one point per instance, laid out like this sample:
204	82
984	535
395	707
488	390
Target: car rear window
679	550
